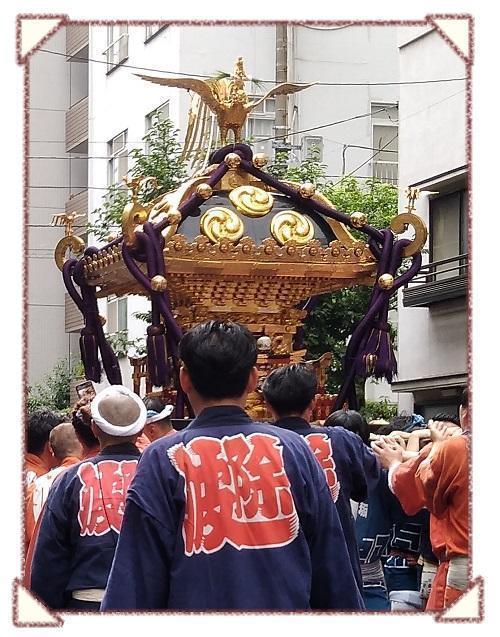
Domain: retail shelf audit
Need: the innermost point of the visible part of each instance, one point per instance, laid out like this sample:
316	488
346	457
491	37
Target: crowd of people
123	512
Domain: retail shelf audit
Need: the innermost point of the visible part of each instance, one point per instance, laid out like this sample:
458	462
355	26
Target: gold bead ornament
204	190
358	219
260	160
159	283
386	281
233	160
307	190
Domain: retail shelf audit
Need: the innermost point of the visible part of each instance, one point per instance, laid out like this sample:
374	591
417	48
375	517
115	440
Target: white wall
49	98
353	54
432	341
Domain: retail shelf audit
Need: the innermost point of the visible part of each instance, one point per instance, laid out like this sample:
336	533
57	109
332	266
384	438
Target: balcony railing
77	124
386	171
117	52
77	37
438	281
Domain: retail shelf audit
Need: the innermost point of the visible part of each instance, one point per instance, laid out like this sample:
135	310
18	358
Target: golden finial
226	97
412	194
67	220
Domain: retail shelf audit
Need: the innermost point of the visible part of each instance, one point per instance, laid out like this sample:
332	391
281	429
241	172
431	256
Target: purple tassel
110	362
158	367
89	351
376	357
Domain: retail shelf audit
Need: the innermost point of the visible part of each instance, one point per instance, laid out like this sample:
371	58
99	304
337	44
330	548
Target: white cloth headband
154	416
117	430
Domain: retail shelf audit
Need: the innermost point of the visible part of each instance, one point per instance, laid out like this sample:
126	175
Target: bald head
119	410
63	441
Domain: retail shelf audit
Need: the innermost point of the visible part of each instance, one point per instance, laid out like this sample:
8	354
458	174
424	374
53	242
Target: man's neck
223	402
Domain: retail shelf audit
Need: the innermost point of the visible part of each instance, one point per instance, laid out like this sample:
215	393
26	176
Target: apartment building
432	309
105	110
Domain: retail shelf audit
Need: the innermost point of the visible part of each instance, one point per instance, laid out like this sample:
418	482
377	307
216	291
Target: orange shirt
34	467
37	493
438	480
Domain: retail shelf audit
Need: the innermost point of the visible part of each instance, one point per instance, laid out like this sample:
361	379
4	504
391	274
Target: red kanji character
102	496
236	491
321	446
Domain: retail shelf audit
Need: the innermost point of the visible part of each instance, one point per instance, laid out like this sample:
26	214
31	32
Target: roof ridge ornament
226	97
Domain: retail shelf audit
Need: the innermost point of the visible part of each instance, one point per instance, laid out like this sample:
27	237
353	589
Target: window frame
111	42
151	36
113	156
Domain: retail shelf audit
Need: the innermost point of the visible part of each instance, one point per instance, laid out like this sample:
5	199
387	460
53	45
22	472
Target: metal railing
440	270
117	52
386	171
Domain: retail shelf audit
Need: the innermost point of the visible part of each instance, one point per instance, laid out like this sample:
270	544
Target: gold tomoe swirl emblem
290	225
221	223
251	201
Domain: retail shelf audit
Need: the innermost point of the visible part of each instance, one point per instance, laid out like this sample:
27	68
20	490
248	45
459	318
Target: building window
152	30
384	137
161	113
117	49
312	147
448	232
118	159
260	126
117	315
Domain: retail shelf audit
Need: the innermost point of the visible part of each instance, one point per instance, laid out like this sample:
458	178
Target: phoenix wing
190	84
282	89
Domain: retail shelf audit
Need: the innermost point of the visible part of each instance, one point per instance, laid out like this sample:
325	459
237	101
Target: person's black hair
219	356
464	400
351	420
81	420
447	418
290	389
154	403
40	424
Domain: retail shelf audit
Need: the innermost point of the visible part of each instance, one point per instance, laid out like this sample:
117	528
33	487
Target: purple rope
308	204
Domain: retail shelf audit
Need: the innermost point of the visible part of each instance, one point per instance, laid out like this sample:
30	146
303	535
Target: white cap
154	416
126	427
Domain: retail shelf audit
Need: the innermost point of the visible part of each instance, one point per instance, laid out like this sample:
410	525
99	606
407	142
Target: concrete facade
50	181
432	348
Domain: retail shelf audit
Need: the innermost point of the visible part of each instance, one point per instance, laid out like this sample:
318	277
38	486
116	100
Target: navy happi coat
78	531
351	469
230	514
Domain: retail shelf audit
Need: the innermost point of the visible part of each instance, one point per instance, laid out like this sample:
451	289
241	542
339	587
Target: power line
198	75
367	161
306	130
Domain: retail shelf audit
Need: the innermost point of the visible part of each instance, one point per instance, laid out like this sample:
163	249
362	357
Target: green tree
333	320
52	392
162	159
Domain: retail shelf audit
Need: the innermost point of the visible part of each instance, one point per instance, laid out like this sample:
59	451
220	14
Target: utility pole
281	110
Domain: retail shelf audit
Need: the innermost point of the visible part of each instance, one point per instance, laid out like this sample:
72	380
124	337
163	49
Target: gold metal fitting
204	190
358	219
174	217
102	319
233	160
159	283
386	281
260	160
307	189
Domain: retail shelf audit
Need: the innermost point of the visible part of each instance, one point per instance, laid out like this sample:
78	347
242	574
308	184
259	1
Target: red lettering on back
321	446
237	492
102	495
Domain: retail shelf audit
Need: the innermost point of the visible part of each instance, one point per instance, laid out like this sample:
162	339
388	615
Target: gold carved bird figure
226	97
